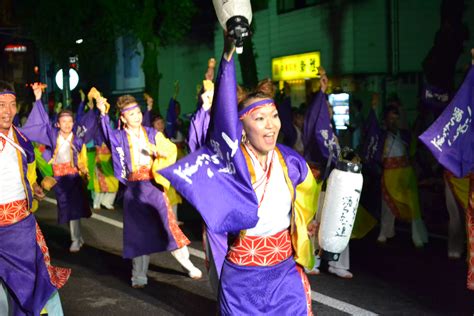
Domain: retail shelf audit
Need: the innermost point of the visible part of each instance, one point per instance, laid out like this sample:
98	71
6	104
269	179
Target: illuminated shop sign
15	48
301	66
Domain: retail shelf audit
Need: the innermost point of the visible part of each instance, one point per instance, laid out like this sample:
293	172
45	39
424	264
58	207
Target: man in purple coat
66	151
28	281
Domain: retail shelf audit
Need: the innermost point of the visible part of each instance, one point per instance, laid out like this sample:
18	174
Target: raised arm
114	141
200	120
219	165
108	132
198	128
148	113
38	127
320	142
87	126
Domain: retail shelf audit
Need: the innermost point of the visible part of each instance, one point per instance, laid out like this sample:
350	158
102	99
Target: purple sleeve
87	126
116	145
147	118
318	137
106	129
171	118
37	127
198	129
451	137
215	178
80	111
374	140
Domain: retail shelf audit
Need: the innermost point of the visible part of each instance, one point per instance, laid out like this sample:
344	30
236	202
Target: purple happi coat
22	263
70	190
198	128
147	226
171	119
374	140
451	137
319	140
216	180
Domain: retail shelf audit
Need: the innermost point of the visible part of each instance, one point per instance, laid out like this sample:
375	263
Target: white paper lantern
339	211
235	17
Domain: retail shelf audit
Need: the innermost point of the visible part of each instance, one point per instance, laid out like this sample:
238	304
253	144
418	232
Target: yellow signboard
301	66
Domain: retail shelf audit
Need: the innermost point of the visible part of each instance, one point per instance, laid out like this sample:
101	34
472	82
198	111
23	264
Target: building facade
366	46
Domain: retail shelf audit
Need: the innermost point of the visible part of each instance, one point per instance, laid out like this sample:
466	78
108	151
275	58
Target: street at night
236	157
395	279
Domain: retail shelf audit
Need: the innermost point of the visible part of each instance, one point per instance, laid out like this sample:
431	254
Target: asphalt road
393	279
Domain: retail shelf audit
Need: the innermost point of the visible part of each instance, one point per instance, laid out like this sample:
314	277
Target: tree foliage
55	25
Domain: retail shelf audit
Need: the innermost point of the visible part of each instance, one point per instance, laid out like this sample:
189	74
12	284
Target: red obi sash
396	162
64	169
142	174
261	251
13	212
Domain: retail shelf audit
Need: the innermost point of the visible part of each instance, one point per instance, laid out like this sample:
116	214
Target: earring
244	138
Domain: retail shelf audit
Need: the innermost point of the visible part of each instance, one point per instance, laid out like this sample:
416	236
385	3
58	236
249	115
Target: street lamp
73	79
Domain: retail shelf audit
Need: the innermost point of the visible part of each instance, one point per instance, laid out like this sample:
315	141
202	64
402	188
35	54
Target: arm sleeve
198	129
306	205
147	119
168	156
37	127
87	126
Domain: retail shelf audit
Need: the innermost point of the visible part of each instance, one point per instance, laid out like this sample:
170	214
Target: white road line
98	217
197	253
340	305
315	296
50	200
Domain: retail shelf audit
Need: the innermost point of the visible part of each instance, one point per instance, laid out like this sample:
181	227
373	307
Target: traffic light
74	62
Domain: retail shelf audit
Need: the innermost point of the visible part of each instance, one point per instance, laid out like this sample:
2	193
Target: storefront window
131	58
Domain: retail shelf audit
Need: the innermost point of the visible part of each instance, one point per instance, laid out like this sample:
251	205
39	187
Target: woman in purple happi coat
65	150
260	193
149	223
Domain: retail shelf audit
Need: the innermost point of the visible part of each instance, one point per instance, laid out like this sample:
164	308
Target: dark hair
65	113
264	89
124	101
357	104
156	118
390	109
6	86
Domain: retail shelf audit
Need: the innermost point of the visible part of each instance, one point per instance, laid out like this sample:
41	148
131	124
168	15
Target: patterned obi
64	169
13	212
396	162
261	251
142	174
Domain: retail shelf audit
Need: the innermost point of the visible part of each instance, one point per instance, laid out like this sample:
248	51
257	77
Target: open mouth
269	138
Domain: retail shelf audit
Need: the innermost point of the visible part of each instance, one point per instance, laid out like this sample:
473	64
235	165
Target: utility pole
66	88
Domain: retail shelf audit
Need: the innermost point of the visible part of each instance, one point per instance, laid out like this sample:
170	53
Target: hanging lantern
235	17
341	201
